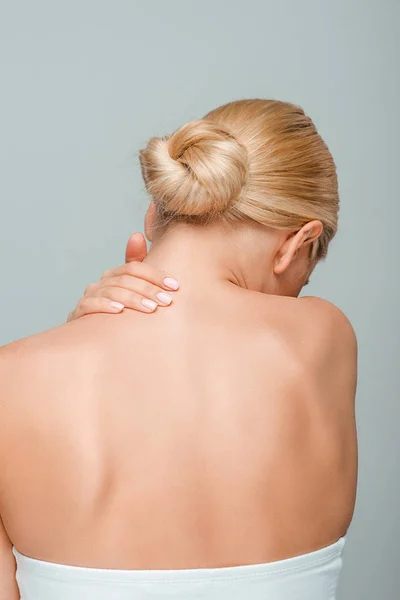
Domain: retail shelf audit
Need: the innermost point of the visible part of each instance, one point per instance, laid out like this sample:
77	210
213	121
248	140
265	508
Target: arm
8	584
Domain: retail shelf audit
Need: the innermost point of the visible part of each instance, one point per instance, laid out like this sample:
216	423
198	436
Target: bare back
202	435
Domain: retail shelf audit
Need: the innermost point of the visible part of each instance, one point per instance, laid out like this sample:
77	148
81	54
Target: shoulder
10	354
332	342
21	350
44	343
19	365
49	354
326	317
23	361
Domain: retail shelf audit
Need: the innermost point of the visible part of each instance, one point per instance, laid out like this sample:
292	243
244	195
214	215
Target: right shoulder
331	341
326	318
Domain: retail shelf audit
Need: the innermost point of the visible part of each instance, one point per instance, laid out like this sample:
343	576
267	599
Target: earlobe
287	253
292	245
281	265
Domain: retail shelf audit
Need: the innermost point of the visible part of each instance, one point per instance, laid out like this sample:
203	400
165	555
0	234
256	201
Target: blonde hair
257	160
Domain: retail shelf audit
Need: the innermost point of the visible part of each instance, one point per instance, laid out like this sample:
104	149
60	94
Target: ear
150	221
294	242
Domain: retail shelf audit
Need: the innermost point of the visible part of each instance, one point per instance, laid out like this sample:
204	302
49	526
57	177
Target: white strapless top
311	576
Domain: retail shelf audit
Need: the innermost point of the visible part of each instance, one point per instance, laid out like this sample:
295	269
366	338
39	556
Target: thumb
136	248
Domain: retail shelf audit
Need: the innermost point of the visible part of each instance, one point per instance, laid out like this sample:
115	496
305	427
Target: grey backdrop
86	82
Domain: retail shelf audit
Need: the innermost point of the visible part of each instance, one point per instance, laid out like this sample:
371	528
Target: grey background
86	82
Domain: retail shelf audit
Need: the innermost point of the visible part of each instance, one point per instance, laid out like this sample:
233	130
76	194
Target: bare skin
130	286
218	432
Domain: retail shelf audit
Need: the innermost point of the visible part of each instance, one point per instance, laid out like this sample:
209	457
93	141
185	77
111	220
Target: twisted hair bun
198	170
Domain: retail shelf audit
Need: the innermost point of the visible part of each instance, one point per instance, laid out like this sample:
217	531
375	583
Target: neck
201	256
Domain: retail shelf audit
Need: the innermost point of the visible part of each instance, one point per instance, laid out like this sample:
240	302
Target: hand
135	285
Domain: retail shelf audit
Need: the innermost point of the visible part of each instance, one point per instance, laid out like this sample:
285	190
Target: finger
133	284
136	248
146	272
129	299
88	306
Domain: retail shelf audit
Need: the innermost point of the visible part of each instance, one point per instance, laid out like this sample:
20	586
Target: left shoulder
17	353
24	361
34	347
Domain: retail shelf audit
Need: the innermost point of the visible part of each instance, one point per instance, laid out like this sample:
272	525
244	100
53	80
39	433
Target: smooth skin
135	285
218	432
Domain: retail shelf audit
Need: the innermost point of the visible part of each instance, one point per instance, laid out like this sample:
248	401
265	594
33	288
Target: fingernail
171	283
164	298
117	306
150	304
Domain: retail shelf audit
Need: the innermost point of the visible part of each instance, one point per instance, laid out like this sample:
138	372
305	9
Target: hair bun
200	169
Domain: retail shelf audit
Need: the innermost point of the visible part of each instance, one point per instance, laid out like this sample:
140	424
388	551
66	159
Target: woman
210	450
